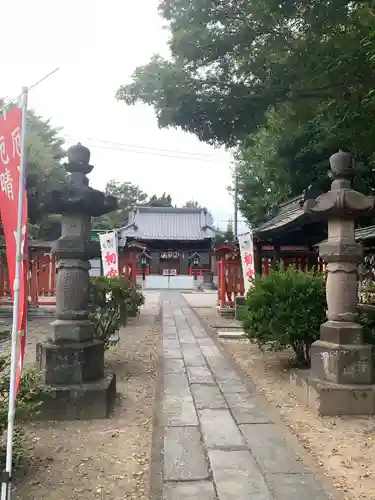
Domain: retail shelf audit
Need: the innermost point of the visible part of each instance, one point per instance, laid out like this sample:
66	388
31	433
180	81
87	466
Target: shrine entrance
170	263
178	282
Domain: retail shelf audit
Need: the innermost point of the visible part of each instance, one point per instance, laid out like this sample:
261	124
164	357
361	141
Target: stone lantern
72	361
341	364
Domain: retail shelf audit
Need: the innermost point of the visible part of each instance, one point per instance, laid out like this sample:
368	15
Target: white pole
6	487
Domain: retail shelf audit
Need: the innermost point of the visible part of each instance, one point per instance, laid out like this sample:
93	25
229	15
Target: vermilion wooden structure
230	278
42	277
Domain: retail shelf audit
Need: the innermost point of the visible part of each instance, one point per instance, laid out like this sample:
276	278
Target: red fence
41	282
42	279
230	278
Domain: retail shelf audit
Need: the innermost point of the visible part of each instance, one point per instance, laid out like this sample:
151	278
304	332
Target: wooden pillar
223	282
258	259
230	290
219	264
312	258
133	277
3	272
34	281
53	275
276	259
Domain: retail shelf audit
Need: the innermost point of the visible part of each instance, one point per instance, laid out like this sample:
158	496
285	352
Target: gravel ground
101	458
343	447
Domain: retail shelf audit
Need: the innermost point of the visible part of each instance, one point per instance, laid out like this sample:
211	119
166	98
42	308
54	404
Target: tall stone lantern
341	364
72	361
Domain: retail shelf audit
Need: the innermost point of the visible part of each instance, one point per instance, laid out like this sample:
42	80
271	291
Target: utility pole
235	219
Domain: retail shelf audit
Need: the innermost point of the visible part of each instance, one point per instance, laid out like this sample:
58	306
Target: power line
140	146
153	153
44	78
11	101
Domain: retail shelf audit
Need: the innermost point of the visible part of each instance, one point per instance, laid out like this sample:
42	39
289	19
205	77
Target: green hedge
112	300
286	308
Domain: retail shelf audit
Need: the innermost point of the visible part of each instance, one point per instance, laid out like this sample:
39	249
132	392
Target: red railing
230	282
42	279
230	278
139	272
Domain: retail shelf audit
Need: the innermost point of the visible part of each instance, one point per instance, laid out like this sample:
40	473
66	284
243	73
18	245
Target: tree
163	201
232	60
191	204
129	195
286	82
229	233
280	161
44	152
286	156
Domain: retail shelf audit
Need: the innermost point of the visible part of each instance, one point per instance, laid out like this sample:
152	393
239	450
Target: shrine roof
168	223
365	233
362	234
284	216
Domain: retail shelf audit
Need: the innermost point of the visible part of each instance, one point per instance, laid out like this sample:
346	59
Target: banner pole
6	482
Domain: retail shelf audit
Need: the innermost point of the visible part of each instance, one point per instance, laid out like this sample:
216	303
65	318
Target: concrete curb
157	446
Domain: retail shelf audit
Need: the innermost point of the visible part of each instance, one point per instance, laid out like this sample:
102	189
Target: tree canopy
165	200
128	195
232	60
285	83
229	233
44	151
191	204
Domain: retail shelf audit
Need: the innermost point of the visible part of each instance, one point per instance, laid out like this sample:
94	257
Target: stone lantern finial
341	164
79	159
79	154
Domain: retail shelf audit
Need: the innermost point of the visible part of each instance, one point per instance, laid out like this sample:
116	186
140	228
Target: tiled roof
361	234
95	234
168	223
287	213
365	233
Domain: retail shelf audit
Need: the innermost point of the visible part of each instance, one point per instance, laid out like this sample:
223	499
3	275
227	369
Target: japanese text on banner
10	161
109	251
247	258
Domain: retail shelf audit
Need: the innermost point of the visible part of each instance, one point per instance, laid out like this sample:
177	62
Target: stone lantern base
331	399
80	387
88	401
340	381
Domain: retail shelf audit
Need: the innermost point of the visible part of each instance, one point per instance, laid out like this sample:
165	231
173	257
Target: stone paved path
218	443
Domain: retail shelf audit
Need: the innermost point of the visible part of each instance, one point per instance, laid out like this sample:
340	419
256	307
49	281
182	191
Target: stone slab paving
219	444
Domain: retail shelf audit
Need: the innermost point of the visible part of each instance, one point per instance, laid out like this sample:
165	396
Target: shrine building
168	241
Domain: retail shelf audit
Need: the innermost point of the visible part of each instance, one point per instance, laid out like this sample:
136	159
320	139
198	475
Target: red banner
10	161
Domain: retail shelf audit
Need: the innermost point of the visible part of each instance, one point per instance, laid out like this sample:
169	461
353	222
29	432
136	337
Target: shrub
29	398
286	308
110	300
134	300
367	320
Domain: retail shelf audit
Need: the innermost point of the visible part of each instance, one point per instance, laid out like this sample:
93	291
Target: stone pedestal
226	312
341	377
72	361
330	399
208	280
342	363
240	308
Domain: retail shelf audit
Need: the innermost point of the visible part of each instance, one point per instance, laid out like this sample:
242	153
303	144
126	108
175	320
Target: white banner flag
109	250
246	244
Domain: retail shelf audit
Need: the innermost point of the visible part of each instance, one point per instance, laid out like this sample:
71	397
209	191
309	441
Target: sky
97	45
